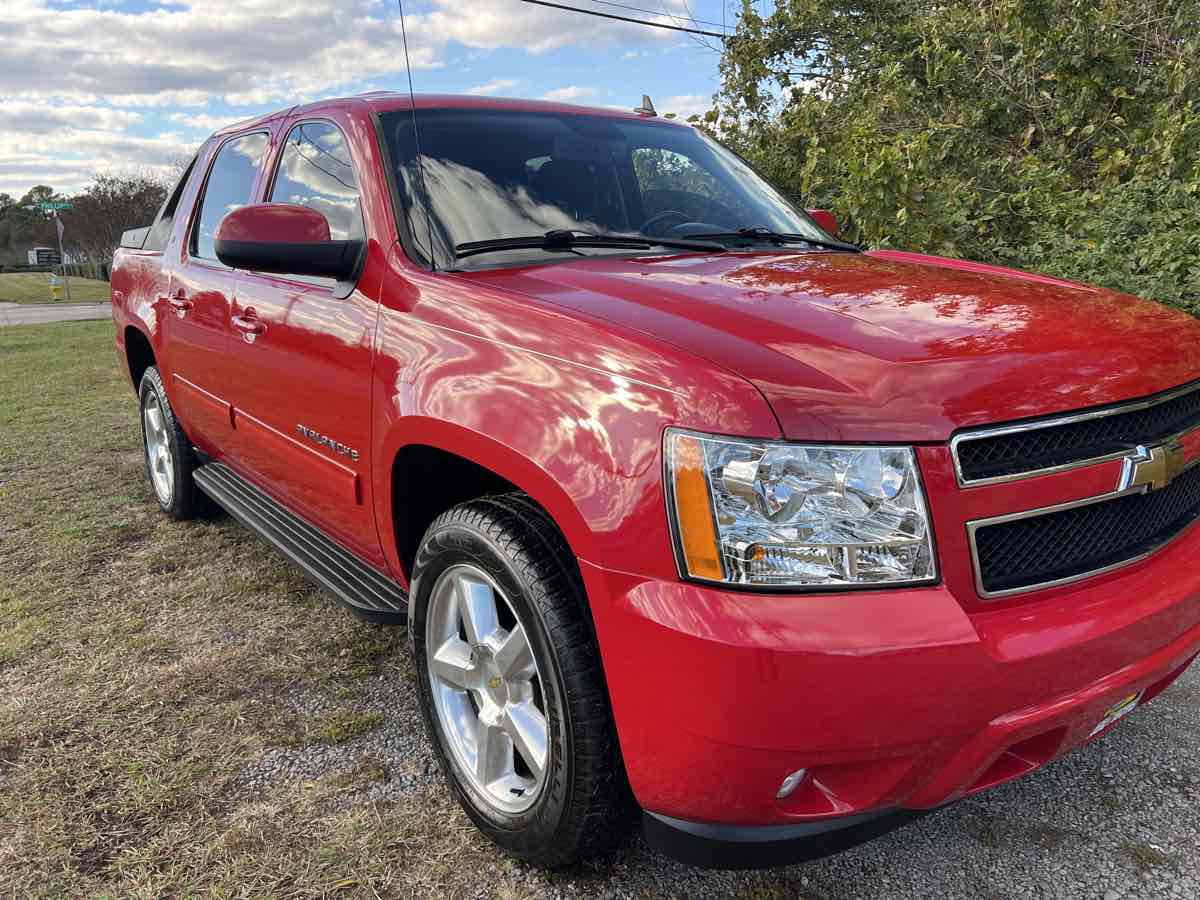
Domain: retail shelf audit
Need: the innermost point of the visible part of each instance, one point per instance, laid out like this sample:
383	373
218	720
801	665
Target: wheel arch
435	465
139	353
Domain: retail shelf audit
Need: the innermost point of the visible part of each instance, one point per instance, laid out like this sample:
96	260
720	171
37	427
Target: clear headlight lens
794	515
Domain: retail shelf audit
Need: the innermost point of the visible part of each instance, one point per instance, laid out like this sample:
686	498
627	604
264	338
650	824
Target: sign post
52	207
58	225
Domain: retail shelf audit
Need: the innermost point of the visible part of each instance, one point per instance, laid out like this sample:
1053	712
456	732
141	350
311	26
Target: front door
198	302
303	351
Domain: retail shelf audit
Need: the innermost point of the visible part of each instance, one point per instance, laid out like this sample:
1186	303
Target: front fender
488	453
568	409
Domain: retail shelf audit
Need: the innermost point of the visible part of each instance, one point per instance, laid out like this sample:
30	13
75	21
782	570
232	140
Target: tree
110	205
7	230
1062	135
23	225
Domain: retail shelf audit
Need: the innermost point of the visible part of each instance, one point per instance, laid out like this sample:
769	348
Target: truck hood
888	347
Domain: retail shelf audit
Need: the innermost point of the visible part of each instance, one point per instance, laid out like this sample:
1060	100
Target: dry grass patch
146	664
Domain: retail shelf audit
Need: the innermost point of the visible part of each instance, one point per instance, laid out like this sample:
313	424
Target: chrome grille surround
1137	552
1026	428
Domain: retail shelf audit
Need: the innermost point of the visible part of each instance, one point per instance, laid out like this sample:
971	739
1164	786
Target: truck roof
387	101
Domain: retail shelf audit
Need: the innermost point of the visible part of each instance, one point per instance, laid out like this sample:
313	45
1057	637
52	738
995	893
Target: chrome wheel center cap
491	680
498	690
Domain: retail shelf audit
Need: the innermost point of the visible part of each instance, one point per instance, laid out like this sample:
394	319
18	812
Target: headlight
793	515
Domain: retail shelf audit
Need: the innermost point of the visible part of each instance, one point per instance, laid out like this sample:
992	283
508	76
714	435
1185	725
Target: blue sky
92	86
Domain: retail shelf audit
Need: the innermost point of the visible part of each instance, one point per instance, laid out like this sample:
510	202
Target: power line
650	12
604	15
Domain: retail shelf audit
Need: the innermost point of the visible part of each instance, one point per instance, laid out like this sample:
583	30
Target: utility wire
604	15
670	15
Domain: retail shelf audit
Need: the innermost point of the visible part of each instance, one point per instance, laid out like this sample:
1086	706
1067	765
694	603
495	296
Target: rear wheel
170	458
510	682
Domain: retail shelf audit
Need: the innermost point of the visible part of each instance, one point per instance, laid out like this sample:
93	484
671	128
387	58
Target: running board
369	593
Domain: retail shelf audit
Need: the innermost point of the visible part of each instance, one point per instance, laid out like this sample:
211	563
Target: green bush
1056	135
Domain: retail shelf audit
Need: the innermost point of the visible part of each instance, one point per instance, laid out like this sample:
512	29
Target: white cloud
684	105
65	146
258	51
493	87
251	49
492	24
83	86
567	94
23	115
29	158
205	122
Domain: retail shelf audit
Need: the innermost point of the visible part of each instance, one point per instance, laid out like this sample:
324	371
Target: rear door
199	298
303	352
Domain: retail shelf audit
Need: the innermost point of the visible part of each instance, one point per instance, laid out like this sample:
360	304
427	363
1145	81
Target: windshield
493	174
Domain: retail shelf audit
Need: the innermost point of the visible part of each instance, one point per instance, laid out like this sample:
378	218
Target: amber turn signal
693	509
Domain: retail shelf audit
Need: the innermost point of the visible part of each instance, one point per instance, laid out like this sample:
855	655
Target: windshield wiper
570	240
760	234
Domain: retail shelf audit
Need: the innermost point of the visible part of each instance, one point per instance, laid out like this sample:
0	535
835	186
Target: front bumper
891	700
710	846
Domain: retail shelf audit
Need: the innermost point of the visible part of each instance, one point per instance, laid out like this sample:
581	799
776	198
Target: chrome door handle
248	325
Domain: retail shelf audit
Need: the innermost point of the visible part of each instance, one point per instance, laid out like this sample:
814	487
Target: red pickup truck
692	510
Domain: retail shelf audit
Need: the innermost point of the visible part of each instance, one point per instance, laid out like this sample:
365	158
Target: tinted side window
315	171
160	233
229	187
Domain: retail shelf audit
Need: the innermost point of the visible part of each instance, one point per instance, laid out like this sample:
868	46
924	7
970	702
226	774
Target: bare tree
111	204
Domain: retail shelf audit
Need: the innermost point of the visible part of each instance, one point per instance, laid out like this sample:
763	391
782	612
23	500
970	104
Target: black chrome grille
1042	446
1070	542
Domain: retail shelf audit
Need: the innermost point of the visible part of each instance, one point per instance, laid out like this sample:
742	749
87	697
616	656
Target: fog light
791	783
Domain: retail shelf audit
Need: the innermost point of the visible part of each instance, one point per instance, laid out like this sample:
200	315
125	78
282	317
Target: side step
369	593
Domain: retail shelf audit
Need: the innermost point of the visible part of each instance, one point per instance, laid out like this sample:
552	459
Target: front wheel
510	682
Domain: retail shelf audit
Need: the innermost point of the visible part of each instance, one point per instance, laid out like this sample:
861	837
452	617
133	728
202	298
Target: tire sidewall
151	383
453	543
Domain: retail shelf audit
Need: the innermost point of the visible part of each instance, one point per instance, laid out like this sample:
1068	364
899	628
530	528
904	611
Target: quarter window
315	171
230	186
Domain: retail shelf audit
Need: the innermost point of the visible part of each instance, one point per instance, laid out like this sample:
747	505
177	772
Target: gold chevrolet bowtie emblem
1153	468
495	682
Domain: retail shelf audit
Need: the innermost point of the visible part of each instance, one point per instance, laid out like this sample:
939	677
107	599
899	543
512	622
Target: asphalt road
41	313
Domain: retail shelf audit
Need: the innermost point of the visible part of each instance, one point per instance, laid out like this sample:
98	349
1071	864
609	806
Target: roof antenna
647	107
412	105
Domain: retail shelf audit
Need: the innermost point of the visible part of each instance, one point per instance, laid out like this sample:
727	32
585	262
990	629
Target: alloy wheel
486	689
158	448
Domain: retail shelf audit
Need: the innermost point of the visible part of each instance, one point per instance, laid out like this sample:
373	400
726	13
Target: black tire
584	805
184	500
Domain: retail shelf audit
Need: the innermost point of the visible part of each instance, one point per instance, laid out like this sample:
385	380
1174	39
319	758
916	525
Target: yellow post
55	286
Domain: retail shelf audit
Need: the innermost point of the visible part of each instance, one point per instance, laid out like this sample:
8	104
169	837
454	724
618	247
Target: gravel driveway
1116	819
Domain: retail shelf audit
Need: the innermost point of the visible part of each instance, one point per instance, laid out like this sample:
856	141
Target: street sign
51	205
44	256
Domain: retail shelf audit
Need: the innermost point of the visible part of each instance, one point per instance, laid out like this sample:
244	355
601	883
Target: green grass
345	725
126	709
34	287
1145	856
